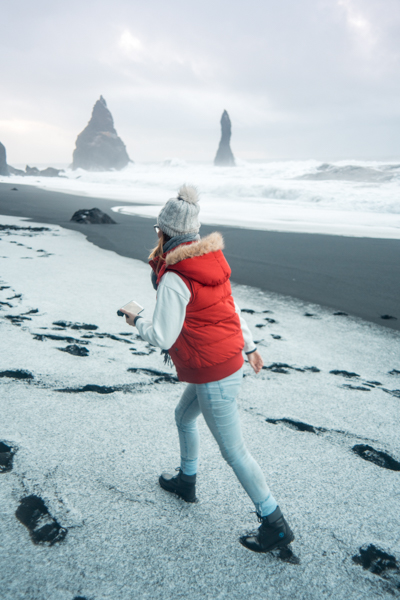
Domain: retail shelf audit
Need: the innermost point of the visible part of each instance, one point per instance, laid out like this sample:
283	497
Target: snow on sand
322	420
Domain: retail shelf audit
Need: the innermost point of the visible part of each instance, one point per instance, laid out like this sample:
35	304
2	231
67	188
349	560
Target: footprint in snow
17	374
33	513
379	562
378	457
75	350
6	457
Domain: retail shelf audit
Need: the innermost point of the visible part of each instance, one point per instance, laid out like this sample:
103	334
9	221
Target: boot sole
279	544
174	492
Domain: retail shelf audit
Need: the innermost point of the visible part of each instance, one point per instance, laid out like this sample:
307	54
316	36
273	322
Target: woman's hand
130	317
256	361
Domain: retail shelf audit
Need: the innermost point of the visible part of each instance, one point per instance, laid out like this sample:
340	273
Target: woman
197	322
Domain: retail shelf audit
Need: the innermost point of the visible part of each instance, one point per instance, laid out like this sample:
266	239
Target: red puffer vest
210	344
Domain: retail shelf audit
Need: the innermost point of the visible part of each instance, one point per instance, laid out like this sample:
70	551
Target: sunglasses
156	228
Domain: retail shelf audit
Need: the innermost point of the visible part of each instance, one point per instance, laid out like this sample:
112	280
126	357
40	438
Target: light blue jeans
217	402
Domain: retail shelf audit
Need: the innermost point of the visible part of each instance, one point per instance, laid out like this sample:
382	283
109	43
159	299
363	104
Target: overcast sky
299	78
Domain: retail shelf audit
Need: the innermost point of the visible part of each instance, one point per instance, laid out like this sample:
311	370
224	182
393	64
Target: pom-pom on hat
180	214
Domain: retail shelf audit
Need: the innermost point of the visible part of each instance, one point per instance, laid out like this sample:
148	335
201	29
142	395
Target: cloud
294	76
131	46
358	22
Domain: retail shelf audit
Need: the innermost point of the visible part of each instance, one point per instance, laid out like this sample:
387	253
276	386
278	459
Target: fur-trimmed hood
209	267
211	243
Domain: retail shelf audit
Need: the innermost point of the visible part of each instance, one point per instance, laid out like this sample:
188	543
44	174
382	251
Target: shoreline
358	276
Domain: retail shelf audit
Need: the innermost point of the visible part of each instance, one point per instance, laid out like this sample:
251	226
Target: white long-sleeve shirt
173	296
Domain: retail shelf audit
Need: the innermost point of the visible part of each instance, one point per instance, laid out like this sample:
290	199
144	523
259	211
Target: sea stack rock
3	161
98	147
224	157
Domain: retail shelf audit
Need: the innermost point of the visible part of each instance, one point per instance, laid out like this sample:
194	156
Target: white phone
132	307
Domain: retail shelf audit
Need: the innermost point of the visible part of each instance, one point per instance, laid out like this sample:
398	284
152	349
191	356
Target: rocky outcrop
98	147
49	172
6	169
14	171
35	172
93	216
3	161
224	157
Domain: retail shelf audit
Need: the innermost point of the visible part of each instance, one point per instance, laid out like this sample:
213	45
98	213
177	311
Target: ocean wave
327	171
351	186
174	162
275	193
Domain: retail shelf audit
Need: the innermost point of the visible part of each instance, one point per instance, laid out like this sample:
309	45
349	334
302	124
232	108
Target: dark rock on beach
98	147
224	156
93	216
3	161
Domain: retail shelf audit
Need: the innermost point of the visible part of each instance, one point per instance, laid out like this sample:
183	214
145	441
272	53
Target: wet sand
358	276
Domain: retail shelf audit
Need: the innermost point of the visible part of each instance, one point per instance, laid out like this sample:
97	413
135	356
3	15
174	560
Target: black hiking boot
274	532
182	485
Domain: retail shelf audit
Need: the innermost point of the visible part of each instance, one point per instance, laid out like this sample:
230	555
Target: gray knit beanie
180	214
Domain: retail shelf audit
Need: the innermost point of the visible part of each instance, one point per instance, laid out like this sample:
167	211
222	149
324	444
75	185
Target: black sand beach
357	276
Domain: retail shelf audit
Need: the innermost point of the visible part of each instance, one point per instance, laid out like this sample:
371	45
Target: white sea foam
356	198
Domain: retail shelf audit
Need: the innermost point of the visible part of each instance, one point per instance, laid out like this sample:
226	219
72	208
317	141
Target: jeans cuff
189	467
266	507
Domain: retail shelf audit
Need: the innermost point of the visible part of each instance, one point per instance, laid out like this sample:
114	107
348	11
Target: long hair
158	251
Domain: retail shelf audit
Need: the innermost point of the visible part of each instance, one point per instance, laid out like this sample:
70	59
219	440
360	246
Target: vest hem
213	373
